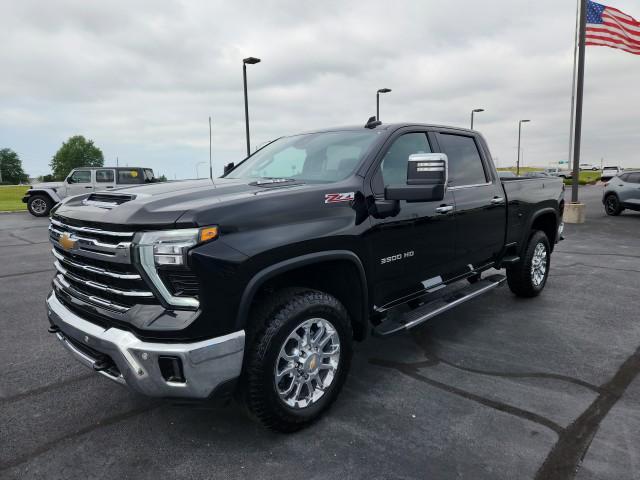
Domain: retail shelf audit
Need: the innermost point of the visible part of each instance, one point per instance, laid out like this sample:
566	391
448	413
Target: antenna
210	162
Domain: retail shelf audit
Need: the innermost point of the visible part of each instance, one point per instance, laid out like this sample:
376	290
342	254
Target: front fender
53	195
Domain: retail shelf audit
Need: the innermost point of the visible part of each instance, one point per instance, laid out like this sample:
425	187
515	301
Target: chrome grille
94	267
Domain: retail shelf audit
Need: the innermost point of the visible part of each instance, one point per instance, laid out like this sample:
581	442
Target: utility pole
117	162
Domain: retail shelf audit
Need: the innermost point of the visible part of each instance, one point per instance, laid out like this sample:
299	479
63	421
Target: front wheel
612	205
298	358
39	205
528	277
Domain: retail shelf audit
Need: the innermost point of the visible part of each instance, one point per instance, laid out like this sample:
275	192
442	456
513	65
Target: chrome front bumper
206	364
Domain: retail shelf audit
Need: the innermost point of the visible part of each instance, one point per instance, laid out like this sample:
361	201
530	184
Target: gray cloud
141	78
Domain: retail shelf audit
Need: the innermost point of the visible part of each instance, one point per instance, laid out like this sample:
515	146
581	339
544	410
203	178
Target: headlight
169	248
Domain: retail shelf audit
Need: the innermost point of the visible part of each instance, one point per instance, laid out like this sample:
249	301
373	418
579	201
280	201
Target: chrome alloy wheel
539	264
39	206
307	363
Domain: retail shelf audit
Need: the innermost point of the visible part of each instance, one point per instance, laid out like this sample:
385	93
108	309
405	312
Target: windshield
314	158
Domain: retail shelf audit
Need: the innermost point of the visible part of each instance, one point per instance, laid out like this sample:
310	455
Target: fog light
171	369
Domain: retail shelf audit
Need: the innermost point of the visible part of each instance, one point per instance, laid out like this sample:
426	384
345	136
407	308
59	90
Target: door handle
88	187
444	209
497	200
109	186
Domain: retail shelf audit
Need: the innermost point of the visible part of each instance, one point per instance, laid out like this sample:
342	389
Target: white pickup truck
42	197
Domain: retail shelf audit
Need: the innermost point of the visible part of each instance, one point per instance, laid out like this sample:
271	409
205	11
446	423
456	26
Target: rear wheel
298	358
528	277
612	205
39	205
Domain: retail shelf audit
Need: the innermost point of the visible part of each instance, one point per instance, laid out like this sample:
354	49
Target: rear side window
465	163
105	176
129	176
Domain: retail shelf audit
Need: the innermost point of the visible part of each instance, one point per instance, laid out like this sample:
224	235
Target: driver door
79	182
414	249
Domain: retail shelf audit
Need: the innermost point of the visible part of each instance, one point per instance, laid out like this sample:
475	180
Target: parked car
42	197
536	174
558	172
610	172
622	191
589	166
258	283
506	174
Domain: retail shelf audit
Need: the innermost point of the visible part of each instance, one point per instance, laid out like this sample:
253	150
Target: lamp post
382	90
475	110
519	138
245	62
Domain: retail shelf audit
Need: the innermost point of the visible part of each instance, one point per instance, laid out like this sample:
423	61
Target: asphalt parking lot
500	388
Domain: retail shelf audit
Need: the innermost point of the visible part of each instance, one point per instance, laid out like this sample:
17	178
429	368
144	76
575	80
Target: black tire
521	278
275	319
39	205
612	205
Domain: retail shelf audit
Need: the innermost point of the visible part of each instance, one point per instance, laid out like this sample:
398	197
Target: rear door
79	182
105	179
481	211
413	249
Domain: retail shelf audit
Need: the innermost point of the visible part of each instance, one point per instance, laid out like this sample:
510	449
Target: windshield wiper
273	180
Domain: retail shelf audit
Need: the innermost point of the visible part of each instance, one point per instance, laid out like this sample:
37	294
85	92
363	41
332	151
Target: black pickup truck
257	284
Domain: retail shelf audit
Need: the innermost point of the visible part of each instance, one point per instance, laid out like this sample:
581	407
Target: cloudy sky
141	78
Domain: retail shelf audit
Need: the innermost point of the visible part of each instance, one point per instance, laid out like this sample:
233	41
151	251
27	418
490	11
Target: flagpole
573	81
579	97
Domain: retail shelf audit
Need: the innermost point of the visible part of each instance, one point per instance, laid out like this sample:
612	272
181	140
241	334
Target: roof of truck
385	126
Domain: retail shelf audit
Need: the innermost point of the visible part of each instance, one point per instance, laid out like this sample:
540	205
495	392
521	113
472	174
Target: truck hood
45	185
168	204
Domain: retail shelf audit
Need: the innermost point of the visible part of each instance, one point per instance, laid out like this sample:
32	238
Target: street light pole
249	61
475	110
382	90
519	138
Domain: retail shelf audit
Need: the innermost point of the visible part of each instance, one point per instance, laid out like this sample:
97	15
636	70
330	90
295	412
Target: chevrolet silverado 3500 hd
257	283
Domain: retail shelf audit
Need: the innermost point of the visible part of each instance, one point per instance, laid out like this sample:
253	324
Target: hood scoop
107	200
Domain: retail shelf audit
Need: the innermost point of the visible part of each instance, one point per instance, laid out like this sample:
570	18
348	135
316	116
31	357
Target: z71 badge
339	197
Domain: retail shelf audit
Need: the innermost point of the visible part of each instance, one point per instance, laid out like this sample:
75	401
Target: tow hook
53	329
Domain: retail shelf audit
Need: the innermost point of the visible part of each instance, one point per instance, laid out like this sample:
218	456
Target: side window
624	177
129	176
394	163
633	178
105	176
465	163
81	176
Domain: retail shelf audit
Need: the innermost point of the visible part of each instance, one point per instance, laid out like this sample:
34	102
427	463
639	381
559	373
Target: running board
436	307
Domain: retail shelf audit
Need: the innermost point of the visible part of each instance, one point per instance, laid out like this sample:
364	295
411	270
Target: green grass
11	198
585	178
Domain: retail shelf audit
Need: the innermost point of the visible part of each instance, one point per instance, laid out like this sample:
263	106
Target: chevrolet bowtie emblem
66	241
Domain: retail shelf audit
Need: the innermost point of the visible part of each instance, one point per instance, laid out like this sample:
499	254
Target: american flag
610	27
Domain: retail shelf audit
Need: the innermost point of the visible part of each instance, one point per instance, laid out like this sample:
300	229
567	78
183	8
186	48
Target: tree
74	153
11	167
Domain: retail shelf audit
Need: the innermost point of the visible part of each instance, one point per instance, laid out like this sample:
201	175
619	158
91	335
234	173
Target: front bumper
132	362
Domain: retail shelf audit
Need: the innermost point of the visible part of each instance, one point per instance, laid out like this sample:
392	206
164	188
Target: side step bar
436	307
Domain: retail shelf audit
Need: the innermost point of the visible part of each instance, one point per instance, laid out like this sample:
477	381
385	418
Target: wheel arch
55	198
545	219
347	282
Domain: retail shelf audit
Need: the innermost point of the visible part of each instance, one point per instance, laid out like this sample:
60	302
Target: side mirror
69	179
427	177
228	167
